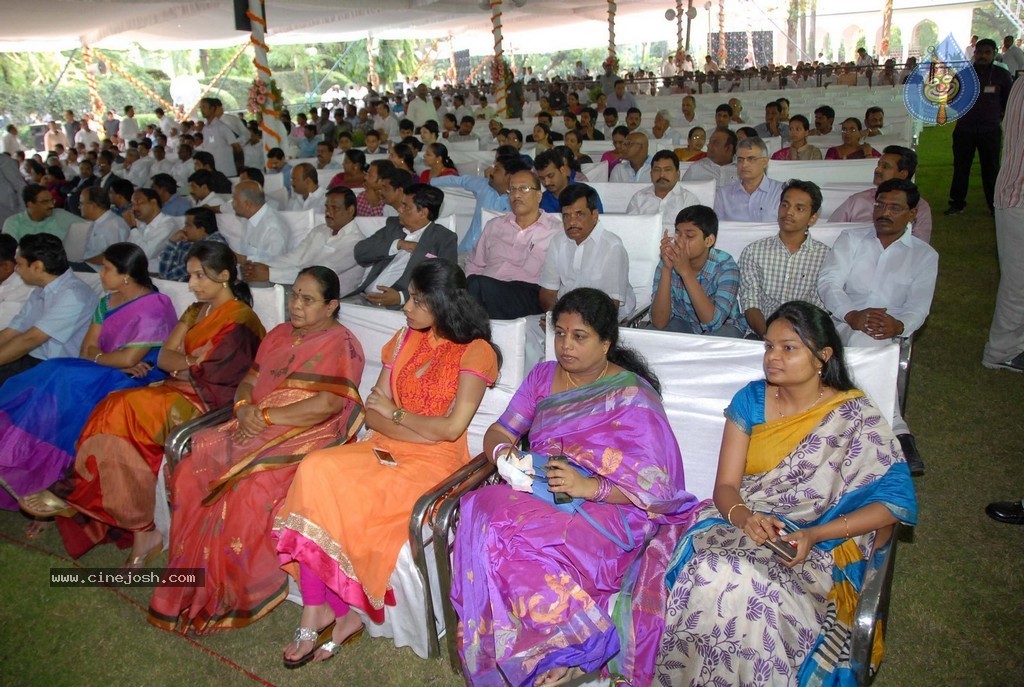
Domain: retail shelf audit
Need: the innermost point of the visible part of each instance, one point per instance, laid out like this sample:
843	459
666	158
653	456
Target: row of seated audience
82	433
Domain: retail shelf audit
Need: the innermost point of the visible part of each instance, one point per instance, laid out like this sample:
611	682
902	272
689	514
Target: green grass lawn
959	588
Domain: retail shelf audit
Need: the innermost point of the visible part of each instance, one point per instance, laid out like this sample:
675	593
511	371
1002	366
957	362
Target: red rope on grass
133	602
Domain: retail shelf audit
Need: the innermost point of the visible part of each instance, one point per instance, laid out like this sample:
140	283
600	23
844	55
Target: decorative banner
463	71
883	53
371	75
270	122
220	75
453	72
168	107
499	68
944	86
94	90
723	56
426	56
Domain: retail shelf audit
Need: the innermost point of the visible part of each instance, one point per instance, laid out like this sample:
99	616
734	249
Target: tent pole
320	83
53	89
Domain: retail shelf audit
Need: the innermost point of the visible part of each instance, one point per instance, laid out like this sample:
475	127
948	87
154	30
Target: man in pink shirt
896	162
505	266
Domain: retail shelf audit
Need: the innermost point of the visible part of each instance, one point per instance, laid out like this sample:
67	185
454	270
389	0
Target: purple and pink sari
43	410
532	584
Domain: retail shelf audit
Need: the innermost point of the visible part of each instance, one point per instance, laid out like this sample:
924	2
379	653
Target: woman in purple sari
531	582
43	410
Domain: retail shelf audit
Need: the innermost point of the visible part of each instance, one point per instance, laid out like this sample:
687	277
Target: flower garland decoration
260	93
612	61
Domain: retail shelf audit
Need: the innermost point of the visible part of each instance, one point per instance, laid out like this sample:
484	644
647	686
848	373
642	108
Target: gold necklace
576	385
778	409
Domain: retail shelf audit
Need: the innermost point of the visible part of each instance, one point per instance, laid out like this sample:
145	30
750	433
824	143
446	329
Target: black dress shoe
953	210
1010	512
910	453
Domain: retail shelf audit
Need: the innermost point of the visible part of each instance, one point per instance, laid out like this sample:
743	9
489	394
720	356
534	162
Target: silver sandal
320	639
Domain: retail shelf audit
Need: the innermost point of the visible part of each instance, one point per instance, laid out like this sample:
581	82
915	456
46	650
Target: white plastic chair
733	237
641	236
300	223
74	242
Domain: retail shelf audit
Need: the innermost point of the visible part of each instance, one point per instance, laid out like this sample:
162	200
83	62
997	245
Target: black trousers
988	143
16	367
505	300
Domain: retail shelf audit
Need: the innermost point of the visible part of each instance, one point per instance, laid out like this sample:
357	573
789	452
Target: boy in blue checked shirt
696	285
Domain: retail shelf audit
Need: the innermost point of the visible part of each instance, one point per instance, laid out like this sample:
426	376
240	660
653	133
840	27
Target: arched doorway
924	36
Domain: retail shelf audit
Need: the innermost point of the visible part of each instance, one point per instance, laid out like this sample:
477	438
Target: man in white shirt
753	197
10	143
635	165
266	235
307	194
718	165
203	196
386	122
459	107
218	138
128	129
878	283
665	195
663	131
150	227
107	227
421	109
1012	56
331	245
163	122
13	291
585	254
135	170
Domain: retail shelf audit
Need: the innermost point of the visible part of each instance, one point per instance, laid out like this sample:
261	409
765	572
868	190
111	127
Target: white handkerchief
517	470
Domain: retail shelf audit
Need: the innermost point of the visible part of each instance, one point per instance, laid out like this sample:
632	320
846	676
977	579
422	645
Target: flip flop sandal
333	647
45	505
308	634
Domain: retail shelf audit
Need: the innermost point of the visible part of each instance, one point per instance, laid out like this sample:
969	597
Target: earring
819	371
224	284
126	281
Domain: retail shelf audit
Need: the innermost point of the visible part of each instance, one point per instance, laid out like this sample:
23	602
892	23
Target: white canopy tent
166	24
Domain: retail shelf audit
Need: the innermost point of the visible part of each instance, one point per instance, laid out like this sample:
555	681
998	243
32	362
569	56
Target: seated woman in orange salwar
346	516
111	490
301	394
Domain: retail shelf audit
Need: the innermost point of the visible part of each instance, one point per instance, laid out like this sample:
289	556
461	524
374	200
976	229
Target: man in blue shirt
491	193
555	175
753	197
54	319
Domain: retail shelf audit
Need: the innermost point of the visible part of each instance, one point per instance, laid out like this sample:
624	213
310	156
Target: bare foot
315	617
145	547
345	631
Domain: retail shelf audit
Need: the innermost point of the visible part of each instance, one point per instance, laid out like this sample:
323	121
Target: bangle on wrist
604	489
847	523
503	446
266	417
96	358
239	404
728	515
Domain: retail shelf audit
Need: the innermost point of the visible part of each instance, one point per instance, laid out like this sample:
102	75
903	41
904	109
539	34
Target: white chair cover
74	242
641	235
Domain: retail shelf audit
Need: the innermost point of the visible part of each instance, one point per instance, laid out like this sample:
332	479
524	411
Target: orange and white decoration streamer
273	130
498	65
95	100
153	95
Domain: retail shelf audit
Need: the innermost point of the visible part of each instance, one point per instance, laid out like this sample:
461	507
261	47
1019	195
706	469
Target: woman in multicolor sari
531	583
301	394
44	409
347	513
806	453
112	487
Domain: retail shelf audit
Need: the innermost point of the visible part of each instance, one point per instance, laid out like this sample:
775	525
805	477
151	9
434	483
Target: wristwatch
397	416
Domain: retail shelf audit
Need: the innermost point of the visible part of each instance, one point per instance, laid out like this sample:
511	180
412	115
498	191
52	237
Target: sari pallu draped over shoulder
43	410
736	615
121	447
225	496
532	583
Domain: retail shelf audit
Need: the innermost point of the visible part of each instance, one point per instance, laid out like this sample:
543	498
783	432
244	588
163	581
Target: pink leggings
315	592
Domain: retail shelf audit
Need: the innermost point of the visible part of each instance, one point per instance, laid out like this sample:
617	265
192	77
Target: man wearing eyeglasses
878	283
636	164
505	266
753	197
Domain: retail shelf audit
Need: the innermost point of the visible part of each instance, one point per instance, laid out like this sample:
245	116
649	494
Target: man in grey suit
394	251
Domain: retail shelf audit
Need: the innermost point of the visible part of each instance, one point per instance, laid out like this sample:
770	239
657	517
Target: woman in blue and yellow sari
803	452
43	410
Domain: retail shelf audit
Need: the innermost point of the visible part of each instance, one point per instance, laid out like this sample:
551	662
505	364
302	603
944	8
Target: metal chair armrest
180	438
634	321
873	605
477	471
903	375
424	515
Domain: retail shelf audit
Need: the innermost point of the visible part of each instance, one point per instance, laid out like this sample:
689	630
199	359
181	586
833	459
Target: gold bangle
845	520
728	515
266	417
239	404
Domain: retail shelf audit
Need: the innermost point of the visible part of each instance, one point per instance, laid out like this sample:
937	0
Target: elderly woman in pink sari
531	582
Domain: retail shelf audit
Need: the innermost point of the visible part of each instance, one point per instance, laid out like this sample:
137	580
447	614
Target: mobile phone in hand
384	457
561	497
781	548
